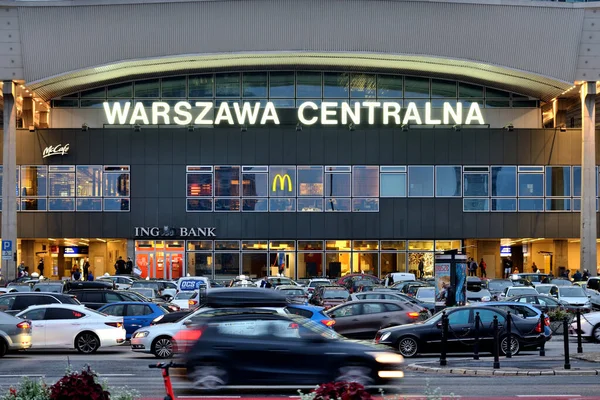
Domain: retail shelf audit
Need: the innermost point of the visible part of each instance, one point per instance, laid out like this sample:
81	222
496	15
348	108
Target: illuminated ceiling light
101	240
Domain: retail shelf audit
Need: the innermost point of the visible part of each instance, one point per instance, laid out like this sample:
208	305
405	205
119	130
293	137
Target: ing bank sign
200	113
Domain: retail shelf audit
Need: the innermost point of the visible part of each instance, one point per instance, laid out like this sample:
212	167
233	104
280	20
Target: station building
304	138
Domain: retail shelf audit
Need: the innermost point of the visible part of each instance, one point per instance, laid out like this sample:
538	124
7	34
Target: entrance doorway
159	259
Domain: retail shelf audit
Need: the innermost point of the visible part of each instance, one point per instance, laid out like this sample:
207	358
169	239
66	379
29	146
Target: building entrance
159	259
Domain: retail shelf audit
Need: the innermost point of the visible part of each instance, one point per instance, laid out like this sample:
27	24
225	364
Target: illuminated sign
282	179
167	231
58	150
309	113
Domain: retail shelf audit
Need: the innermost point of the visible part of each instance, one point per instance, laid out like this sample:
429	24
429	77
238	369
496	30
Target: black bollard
543	325
579	346
508	335
443	344
476	348
566	343
496	344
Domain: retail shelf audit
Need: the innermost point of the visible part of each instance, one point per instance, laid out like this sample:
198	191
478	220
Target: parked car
135	315
594	297
193	283
67	326
173	316
313	313
313	283
576	297
294	294
590	327
13	303
426	294
523	310
593	283
135	295
72	285
497	287
425	337
411	288
547	289
396	277
516	291
353	281
121	282
96	298
162	288
48	286
542	302
535	279
386	294
231	351
362	319
477	295
561	282
20	287
15	334
187	299
329	296
277	281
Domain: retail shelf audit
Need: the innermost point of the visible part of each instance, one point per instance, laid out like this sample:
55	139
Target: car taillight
413	314
24	325
192	303
114	324
185	338
547	321
293	325
328	322
538	328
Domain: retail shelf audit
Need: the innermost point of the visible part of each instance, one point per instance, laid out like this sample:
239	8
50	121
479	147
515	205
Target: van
398	277
191	283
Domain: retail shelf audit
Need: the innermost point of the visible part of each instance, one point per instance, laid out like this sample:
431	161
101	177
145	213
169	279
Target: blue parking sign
7	250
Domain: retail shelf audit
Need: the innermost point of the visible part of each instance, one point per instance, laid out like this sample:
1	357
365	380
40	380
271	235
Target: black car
173	316
96	298
425	337
255	348
13	303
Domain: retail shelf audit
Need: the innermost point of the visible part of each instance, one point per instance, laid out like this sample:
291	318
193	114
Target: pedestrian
120	266
129	266
40	267
76	275
90	275
421	269
586	275
86	267
21	270
507	267
567	273
473	267
577	276
482	267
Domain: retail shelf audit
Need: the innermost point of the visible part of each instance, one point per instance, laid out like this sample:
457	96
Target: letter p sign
7	250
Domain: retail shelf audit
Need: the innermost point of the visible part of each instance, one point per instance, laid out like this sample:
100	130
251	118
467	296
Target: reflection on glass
282	181
261	205
416	87
89	181
147	88
116	185
200	264
476	204
255	245
34	180
285	205
393	184
227	245
227	204
228	85
255	84
504	204
338	204
310	245
310	181
308	84
116	204
364	205
414	260
308	205
198	245
363	86
254	265
558	182
366	181
281	84
33	204
337	264
199	204
310	265
88	204
392	262
531	204
173	87
201	86
448	181
62	184
227	181
476	184
420	181
335	85
389	86
255	184
199	185
227	266
558	204
121	90
337	184
468	91
577	181
393	245
365	245
61	204
441	88
531	185
504	181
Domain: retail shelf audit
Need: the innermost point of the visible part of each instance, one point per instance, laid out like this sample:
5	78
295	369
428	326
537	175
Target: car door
347	319
62	325
374	315
136	316
118	310
7	302
460	330
486	317
38	326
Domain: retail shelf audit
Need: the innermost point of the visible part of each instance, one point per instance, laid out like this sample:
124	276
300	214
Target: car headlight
486	298
140	334
385	336
387	358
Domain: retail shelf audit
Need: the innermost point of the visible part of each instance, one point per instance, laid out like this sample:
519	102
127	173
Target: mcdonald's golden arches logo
282	179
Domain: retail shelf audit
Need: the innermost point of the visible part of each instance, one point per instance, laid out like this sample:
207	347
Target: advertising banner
442	279
461	283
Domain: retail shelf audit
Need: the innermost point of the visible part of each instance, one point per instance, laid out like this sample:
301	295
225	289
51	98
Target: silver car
15	334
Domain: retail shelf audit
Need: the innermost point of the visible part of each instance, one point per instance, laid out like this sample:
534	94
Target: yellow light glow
387	358
391	374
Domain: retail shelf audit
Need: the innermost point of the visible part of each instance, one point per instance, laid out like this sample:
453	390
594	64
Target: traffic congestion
244	331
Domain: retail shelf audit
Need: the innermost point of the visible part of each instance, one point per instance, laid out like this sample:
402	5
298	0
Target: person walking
473	267
482	268
129	266
120	266
90	275
421	269
86	267
40	267
76	275
586	275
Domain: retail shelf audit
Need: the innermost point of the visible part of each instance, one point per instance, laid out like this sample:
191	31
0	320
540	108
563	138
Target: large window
420	181
476	181
34	180
392	181
310	181
448	181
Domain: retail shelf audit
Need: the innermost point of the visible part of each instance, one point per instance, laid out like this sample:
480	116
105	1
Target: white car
313	283
121	282
590	326
513	291
158	339
65	326
191	283
575	296
187	300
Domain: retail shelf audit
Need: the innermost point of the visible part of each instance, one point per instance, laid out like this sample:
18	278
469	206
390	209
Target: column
9	184
561	254
588	177
28	112
559	110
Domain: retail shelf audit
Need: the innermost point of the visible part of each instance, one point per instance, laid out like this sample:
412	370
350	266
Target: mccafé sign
167	231
308	113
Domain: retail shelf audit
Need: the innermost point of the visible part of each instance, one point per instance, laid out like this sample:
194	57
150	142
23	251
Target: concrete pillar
9	184
559	111
588	177
44	117
561	254
28	112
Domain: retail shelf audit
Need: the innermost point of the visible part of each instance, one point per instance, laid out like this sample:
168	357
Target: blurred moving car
135	315
313	313
576	297
246	349
13	303
410	289
20	287
187	300
15	334
497	286
294	294
96	298
162	288
363	318
329	296
425	294
425	337
173	316
590	327
135	295
517	291
65	326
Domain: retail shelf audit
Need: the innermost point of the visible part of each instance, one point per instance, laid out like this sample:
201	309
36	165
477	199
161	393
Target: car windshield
317	283
134	296
186	295
335	294
543	289
57	288
522	290
293	292
479	293
143	284
499	285
572	291
425	293
146	292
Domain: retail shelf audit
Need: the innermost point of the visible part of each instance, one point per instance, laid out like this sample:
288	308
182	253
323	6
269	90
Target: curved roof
526	47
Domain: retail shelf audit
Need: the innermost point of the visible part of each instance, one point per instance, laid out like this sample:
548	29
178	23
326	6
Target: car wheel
3	348
596	333
357	373
515	346
163	347
87	343
208	376
408	346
